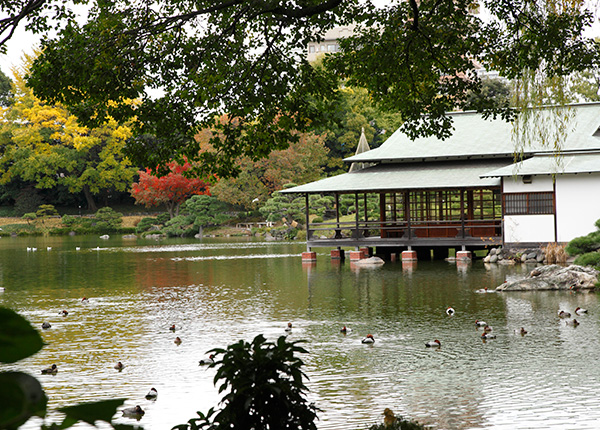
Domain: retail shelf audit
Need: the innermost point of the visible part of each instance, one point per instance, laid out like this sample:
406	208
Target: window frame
529	203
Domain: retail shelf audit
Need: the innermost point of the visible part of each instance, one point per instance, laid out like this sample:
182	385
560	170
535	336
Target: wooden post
462	213
307	219
407	212
382	217
356	231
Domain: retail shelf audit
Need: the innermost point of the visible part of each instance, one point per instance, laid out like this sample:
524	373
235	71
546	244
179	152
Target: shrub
163	218
264	385
588	259
30	216
108	220
68	220
317	219
145	224
555	253
179	226
583	244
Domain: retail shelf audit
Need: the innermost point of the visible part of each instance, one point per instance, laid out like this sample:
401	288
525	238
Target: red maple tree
170	190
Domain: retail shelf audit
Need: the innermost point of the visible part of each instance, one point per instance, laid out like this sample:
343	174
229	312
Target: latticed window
529	203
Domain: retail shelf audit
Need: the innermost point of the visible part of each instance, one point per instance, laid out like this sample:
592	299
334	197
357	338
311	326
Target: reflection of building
329	42
466	191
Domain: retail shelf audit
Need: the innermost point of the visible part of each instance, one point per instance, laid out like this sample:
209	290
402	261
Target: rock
487	258
492	251
506	262
531	256
523	258
540	257
371	261
500	256
493	258
531	261
129	236
555	277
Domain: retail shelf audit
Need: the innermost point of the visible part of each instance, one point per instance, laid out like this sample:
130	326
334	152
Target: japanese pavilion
467	192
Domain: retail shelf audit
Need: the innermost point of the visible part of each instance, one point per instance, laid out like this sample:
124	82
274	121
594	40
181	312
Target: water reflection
217	293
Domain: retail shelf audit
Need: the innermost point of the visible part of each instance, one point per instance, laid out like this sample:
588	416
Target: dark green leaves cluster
264	388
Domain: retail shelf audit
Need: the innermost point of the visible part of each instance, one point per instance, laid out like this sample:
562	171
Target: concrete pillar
356	255
366	251
393	256
464	255
337	254
410	255
309	256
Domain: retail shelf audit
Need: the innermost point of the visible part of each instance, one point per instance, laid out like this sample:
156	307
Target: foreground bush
588	259
264	389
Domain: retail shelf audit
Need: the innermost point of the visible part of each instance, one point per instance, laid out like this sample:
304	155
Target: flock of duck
487	333
479	324
134	412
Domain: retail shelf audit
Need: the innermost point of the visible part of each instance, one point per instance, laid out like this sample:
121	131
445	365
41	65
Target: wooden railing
407	229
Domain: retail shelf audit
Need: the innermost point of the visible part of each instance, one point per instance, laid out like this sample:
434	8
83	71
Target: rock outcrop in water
555	277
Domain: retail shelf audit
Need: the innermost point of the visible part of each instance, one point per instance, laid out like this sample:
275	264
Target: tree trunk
90	199
200	230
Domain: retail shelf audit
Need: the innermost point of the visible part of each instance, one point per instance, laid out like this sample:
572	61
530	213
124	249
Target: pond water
219	292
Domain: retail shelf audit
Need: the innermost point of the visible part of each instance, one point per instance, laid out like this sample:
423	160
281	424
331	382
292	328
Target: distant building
329	42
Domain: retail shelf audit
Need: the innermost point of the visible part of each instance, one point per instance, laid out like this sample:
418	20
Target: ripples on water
217	293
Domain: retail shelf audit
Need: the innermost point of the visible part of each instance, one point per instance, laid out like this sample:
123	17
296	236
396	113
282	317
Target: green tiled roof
439	175
547	164
475	137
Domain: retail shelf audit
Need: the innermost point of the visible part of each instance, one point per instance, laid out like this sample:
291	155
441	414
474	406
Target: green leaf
18	339
91	412
21	397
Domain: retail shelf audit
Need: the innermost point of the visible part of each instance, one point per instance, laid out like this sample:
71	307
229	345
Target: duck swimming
64	313
563	314
50	371
522	332
177	341
136	412
46	325
209	360
368	339
488	336
450	311
152	394
119	366
345	330
433	344
580	311
289	327
573	323
487	329
479	323
85	300
172	328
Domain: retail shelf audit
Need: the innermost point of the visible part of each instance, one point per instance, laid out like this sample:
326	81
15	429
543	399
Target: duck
85	300
209	360
573	322
484	290
580	311
522	332
488	336
2	289
46	325
152	394
48	248
563	314
389	419
177	340
487	329
136	412
450	310
368	339
433	344
172	328
289	327
64	313
345	330
479	323
119	366
50	370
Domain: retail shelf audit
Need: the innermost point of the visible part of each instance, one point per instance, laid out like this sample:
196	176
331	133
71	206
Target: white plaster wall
529	228
511	184
577	204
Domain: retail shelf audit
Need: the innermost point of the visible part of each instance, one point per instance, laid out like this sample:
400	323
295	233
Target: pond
217	292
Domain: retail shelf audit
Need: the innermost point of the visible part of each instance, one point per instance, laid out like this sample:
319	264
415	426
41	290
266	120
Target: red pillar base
356	255
366	251
309	256
337	254
409	255
464	255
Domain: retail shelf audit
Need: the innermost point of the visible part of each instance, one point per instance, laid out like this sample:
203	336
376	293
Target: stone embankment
513	255
555	277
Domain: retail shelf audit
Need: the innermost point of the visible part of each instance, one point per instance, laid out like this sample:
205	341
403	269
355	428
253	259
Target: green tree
5	90
205	211
44	145
264	388
247	59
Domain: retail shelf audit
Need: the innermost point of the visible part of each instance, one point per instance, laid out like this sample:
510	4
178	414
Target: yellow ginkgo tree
43	145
